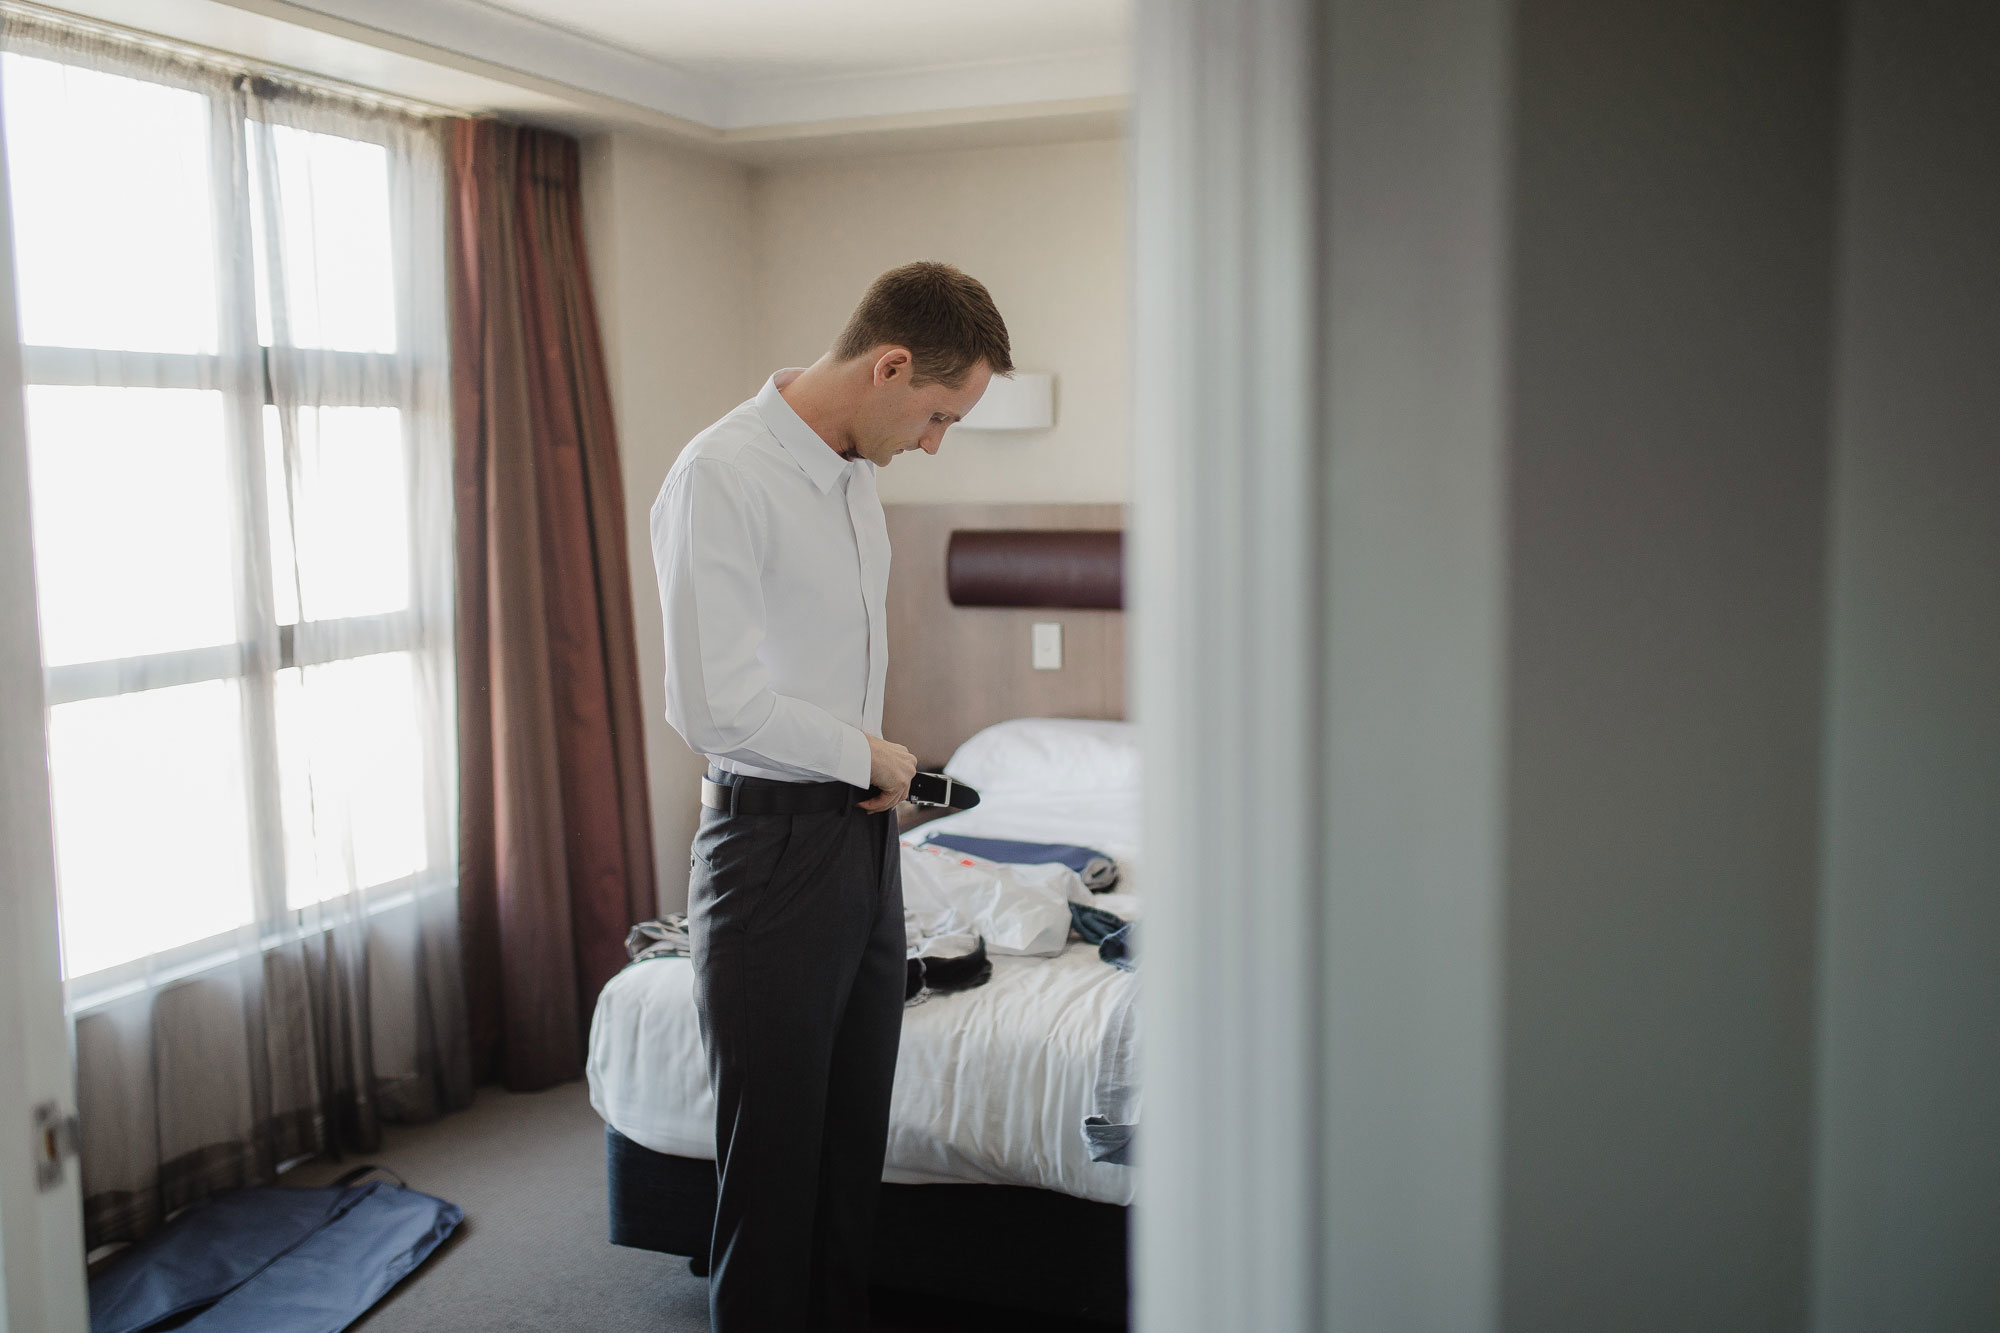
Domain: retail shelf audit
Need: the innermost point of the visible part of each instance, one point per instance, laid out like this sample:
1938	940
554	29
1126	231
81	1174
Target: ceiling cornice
982	127
942	89
549	54
528	46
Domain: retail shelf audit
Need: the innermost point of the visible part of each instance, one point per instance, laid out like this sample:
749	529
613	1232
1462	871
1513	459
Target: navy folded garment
273	1260
1098	871
1111	934
1119	948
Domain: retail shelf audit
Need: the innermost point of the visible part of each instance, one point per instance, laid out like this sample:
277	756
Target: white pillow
1050	754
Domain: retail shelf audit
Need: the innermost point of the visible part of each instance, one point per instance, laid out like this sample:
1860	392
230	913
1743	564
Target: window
232	323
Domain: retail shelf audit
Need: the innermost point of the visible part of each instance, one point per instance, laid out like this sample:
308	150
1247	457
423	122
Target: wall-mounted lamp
1024	401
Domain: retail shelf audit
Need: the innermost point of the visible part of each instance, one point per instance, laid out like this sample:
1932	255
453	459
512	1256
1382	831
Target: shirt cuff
855	761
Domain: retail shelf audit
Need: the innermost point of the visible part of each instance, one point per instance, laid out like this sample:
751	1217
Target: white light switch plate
1047	639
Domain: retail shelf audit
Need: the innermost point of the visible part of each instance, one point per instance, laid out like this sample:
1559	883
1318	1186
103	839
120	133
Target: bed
990	1191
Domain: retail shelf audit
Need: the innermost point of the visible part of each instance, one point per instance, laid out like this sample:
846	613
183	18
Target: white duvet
992	1084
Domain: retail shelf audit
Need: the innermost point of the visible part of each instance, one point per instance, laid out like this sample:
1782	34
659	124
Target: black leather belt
733	793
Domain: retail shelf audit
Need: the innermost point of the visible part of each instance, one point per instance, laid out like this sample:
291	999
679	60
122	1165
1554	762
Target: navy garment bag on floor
273	1260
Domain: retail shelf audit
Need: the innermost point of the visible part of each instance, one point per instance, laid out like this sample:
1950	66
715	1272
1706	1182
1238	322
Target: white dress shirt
773	558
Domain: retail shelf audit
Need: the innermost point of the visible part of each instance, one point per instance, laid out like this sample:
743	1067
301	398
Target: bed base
1002	1245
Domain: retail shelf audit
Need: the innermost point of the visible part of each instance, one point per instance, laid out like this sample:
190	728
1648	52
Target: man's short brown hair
944	317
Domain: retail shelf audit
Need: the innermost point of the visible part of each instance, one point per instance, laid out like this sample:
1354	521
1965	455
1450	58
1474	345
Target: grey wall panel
1416	131
1909	1148
1670	345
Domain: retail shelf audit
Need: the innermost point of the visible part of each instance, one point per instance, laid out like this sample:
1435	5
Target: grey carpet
532	1255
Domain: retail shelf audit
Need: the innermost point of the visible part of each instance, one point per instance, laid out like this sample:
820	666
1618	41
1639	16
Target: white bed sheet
992	1084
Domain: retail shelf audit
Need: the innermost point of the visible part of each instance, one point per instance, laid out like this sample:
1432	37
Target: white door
41	1214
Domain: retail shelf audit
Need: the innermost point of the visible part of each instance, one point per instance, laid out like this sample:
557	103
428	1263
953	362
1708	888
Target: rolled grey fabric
1098	871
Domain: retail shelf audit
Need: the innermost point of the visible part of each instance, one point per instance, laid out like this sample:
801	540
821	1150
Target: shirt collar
820	463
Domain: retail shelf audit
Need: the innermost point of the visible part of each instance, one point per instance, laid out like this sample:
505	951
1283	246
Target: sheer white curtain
232	297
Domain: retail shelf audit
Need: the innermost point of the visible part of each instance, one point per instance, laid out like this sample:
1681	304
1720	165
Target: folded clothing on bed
665	938
1019	910
936	962
1098	872
1111	934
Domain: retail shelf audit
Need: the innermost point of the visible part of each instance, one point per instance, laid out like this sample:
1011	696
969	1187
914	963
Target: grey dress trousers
796	927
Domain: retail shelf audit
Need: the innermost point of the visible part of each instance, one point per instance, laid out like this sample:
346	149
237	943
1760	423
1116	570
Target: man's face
902	417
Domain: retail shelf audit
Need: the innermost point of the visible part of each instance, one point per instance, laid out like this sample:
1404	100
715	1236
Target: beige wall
1042	226
670	257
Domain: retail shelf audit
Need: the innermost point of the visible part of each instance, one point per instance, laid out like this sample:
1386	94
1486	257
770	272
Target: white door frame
41	1229
1317	659
1225	660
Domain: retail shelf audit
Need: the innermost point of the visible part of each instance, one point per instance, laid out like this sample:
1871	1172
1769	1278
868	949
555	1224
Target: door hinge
56	1137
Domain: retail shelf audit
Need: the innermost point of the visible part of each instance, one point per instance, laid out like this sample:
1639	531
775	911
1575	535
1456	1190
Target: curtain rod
225	60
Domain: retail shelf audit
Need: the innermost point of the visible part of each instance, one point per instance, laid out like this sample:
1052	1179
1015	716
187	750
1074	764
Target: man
773	559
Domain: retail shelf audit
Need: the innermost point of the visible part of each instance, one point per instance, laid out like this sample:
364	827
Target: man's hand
890	768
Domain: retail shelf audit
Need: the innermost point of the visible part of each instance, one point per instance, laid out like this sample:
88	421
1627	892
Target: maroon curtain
555	848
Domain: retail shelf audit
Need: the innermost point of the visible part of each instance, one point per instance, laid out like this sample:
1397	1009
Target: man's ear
892	365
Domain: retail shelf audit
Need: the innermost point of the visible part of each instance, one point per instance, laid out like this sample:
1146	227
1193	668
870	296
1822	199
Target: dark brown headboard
1075	568
956	669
